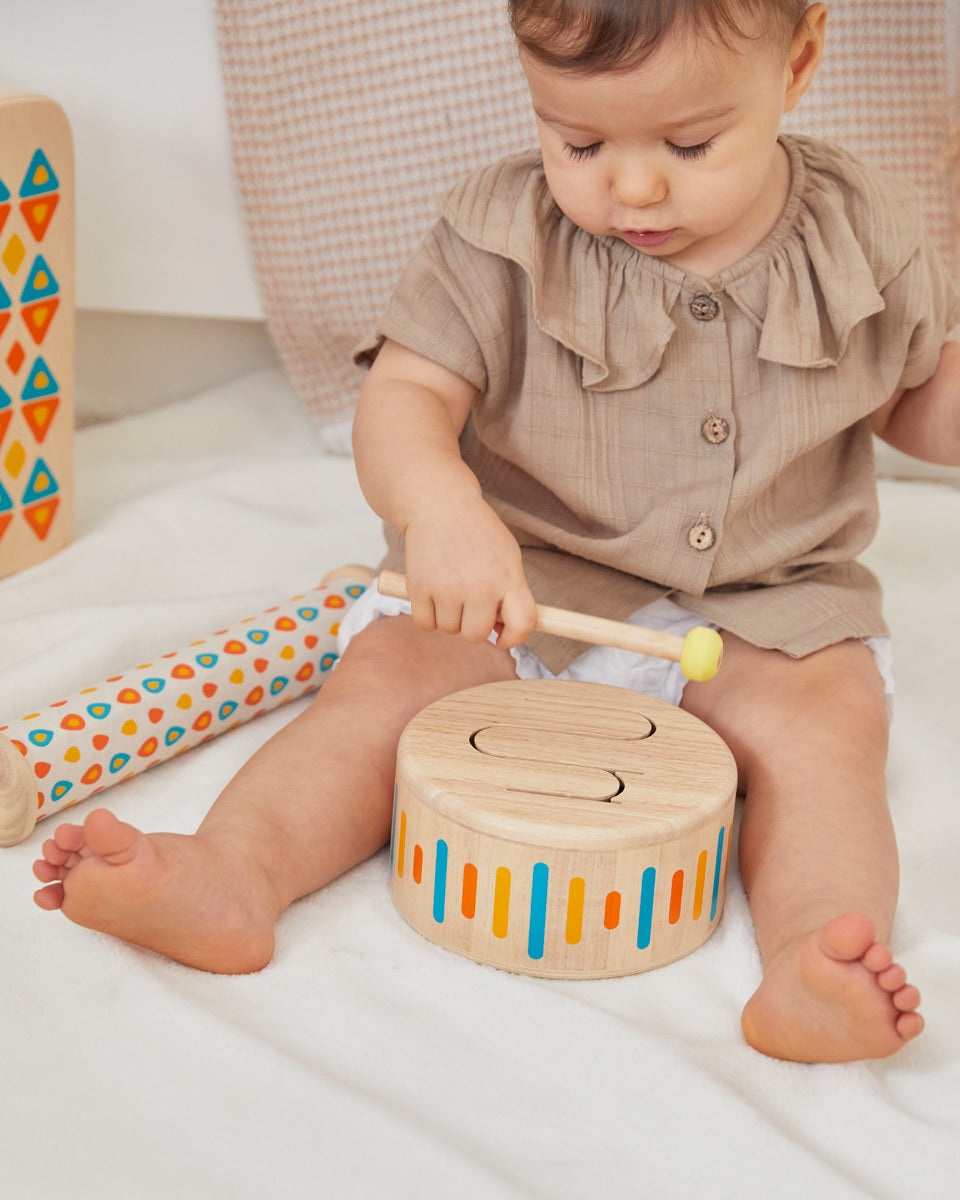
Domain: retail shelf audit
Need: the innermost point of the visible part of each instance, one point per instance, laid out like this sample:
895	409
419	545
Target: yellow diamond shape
16	457
13	254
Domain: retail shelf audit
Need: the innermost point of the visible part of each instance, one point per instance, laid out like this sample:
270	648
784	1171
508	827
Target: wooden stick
583	628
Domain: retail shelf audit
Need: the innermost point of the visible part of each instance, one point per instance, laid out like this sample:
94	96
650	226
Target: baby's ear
806	50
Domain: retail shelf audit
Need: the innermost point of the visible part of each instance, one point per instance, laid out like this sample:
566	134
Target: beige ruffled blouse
645	432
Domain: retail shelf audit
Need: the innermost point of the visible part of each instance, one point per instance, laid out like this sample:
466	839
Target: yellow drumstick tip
702	654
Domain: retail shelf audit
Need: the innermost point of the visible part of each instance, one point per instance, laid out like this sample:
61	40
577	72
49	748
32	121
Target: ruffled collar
844	234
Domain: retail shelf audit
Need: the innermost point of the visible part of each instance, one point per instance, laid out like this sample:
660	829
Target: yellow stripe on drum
501	902
701	880
575	897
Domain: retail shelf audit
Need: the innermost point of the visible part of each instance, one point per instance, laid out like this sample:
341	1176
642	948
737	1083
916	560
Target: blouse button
704	307
701	535
715	430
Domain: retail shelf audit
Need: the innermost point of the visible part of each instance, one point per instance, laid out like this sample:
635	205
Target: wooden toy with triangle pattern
36	329
73	748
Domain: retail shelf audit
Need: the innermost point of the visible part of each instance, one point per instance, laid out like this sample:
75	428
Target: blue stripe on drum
538	910
716	875
440	882
645	923
393	826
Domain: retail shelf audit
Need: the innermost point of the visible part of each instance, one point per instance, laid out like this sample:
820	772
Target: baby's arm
924	421
464	568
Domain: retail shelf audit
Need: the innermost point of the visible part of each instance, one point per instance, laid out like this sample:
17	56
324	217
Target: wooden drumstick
699	653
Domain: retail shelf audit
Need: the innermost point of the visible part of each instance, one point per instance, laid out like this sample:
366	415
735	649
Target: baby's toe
878	957
46	871
50	897
68	837
54	853
906	999
893	978
909	1025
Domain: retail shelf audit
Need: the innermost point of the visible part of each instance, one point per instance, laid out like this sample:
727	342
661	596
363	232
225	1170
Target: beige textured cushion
350	119
884	91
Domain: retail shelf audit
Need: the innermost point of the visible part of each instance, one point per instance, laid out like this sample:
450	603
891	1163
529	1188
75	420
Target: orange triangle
38	213
4	318
40	516
4	522
5	419
37	317
4	213
38	415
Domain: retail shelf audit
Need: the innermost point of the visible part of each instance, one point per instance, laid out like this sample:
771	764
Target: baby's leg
314	801
817	850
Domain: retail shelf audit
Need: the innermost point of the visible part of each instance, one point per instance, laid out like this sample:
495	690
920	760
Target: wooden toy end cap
18	795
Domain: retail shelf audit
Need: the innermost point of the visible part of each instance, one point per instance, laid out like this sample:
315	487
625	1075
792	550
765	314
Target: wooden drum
562	829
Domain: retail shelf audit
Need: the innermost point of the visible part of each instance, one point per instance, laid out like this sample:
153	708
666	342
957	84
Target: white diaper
601	664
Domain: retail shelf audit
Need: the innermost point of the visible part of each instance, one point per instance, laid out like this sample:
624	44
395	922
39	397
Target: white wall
158	224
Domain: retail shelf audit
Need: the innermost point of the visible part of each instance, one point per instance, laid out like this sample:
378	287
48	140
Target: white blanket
365	1061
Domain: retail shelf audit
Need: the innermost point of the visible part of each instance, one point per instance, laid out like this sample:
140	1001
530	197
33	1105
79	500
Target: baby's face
678	157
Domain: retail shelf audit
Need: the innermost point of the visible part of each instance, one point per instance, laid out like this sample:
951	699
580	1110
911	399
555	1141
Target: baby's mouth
647	238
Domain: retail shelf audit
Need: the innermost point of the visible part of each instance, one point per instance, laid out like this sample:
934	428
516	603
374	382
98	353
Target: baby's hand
465	575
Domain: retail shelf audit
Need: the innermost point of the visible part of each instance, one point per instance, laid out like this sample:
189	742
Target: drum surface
562	829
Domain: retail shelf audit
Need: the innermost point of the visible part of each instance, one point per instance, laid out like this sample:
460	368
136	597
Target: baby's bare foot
171	893
835	995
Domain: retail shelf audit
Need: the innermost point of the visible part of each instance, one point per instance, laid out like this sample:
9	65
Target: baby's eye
690	152
581	152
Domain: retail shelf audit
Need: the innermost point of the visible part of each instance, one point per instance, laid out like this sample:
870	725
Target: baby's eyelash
690	152
581	152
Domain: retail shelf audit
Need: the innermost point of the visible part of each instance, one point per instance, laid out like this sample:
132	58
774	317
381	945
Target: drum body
561	829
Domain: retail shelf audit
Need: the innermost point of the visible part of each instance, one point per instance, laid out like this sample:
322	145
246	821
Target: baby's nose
639	184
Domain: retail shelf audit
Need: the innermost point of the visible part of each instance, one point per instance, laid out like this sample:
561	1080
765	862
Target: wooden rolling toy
563	829
36	330
103	734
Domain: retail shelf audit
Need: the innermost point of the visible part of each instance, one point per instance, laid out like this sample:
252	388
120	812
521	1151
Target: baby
636	373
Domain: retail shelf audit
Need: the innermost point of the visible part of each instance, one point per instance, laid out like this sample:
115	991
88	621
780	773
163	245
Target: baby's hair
618	35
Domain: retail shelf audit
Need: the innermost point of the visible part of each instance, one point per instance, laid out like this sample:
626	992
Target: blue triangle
33	291
31	186
5	400
5	502
35	386
5	300
4	192
42	483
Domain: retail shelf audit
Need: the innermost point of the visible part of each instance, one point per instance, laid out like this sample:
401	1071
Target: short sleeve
446	306
925	300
